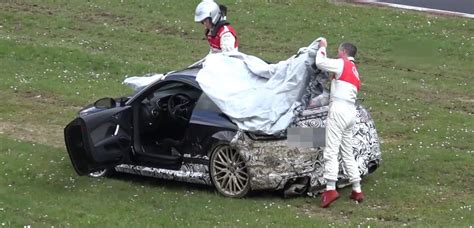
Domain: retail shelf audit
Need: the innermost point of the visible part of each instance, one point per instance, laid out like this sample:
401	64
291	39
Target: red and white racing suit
342	115
223	40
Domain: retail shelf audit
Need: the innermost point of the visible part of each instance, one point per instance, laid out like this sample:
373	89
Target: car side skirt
191	173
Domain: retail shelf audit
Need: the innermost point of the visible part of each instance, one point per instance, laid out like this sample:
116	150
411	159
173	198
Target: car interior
164	117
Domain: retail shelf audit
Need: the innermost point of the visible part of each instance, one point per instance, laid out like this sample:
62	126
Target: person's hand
323	42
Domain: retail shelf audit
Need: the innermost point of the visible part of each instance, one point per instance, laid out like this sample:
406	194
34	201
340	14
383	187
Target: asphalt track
461	6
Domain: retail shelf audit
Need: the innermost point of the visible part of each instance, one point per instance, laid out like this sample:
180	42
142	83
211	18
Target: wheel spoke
243	184
227	185
222	177
221	157
216	162
221	169
242	181
239	158
238	184
231	155
234	155
232	184
226	157
225	182
243	174
240	163
225	172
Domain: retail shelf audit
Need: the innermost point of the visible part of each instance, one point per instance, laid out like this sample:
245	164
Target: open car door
99	140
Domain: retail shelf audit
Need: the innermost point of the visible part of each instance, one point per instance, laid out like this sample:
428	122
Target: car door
207	126
99	140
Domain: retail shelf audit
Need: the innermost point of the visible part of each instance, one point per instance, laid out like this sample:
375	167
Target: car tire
102	173
228	172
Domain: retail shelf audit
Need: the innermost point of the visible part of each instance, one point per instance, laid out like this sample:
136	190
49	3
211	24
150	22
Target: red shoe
328	197
357	196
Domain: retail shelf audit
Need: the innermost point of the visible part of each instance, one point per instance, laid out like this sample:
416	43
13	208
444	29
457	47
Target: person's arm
228	42
327	64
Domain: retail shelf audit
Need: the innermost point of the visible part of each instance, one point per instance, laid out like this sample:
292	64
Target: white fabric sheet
257	96
137	83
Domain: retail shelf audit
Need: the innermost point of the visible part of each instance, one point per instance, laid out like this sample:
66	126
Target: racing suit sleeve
327	64
228	42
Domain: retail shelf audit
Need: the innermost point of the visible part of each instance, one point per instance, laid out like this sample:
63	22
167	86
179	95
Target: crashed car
171	129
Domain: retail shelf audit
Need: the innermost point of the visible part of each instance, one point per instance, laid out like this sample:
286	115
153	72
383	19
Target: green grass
57	55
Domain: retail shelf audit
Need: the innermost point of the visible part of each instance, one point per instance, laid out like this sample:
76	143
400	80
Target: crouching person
341	120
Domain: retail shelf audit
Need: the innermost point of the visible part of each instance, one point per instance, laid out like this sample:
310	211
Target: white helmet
205	9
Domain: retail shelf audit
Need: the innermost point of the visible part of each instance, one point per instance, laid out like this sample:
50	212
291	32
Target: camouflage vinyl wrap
192	173
271	164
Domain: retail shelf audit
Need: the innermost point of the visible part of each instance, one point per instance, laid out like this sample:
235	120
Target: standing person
341	120
220	35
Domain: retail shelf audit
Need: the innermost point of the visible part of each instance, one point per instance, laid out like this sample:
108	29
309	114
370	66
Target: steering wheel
178	106
151	110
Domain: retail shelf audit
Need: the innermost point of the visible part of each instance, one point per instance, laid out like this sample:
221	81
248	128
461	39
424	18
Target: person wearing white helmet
220	35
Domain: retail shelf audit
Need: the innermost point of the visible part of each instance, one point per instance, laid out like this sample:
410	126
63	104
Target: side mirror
105	103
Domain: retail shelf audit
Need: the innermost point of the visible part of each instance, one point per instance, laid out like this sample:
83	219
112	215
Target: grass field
57	55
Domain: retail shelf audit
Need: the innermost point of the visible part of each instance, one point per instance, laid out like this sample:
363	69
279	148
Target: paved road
462	6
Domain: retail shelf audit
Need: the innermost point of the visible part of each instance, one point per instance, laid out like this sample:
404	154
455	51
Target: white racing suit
342	115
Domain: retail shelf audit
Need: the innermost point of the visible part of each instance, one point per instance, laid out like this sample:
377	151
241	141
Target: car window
169	89
205	103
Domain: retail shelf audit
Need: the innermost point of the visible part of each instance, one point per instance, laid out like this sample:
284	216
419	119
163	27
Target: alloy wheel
229	173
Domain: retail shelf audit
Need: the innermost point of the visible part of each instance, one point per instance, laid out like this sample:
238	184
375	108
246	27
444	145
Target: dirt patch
44	97
395	138
34	117
311	208
15	6
101	17
465	100
368	60
344	216
166	30
104	17
452	101
51	135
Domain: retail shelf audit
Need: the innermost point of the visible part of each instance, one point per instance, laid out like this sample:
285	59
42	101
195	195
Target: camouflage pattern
271	163
192	173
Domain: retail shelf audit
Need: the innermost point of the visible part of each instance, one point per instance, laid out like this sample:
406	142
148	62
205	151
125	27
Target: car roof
187	75
192	71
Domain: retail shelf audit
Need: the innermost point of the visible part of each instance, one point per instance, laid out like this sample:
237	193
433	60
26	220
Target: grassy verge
56	56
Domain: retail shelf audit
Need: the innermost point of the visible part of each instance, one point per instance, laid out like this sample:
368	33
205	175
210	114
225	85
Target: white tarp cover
137	83
257	96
